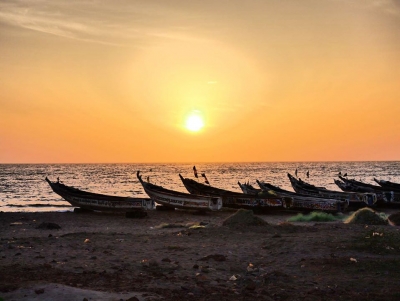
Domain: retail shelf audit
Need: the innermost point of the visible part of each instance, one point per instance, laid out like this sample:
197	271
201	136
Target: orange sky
113	81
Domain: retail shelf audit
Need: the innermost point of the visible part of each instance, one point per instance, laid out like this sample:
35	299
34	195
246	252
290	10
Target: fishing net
244	217
367	216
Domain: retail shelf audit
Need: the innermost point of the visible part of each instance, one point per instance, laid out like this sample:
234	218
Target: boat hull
306	202
99	202
180	200
384	195
357	199
233	199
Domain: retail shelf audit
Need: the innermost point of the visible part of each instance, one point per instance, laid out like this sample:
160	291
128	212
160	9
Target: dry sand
161	257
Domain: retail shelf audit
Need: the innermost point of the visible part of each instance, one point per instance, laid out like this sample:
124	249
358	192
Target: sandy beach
181	255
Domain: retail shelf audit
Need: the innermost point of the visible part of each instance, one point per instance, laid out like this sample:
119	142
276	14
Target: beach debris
353	259
367	216
48	226
251	268
194	227
244	217
16	224
87	240
233	278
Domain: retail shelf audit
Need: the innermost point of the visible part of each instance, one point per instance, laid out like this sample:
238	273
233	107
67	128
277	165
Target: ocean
23	188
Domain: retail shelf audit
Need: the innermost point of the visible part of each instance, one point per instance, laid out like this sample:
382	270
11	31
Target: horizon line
199	162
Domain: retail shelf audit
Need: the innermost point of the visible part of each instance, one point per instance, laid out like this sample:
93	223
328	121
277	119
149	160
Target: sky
114	81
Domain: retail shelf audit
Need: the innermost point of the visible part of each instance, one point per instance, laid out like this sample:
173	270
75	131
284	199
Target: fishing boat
383	195
388	184
180	200
234	199
248	188
101	202
356	199
306	202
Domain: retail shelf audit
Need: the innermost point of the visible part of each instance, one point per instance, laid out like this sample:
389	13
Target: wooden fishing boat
388	185
100	202
306	202
249	189
356	199
180	200
383	194
234	199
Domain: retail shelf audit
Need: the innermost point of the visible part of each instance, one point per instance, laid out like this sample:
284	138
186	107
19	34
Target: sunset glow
194	122
115	81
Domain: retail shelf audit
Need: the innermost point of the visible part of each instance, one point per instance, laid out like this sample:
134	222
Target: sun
194	122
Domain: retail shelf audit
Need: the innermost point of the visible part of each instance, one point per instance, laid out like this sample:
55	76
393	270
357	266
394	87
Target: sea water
23	186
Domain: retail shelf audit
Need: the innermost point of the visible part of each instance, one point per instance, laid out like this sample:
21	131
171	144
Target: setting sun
194	122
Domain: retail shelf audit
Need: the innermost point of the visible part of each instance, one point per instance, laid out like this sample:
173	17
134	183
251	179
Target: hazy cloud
388	6
110	22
